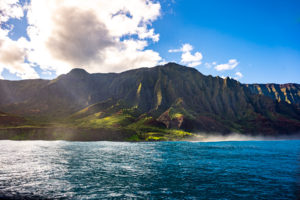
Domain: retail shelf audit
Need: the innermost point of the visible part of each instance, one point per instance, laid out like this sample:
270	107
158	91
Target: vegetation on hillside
169	102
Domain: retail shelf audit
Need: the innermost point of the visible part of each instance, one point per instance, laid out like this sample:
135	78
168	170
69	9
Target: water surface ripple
170	170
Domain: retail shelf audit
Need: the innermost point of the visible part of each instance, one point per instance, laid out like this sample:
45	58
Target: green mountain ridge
289	93
166	102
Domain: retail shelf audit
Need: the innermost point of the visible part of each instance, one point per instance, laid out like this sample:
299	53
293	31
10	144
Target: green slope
164	103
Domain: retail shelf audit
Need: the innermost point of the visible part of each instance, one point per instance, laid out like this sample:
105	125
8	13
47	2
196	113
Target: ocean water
158	170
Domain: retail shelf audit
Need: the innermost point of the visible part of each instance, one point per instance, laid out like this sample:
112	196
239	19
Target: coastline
90	135
67	134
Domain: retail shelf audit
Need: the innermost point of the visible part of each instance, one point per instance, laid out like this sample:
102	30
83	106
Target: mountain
164	102
8	120
19	91
289	93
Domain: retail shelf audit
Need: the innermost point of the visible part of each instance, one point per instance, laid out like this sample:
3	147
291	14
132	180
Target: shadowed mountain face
289	93
7	120
13	92
173	96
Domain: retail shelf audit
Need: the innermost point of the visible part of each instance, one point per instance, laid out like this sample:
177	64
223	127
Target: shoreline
95	135
63	133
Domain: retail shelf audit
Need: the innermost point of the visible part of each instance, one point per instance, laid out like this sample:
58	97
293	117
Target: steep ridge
169	96
13	92
289	93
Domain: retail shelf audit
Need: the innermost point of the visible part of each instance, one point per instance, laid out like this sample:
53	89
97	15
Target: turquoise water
170	170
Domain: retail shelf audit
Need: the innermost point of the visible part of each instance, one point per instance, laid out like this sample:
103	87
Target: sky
252	41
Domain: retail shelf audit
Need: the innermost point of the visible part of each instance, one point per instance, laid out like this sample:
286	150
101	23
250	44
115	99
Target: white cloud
232	63
12	58
162	62
239	75
185	48
210	65
13	53
192	60
87	34
47	73
97	35
174	50
187	57
10	9
193	64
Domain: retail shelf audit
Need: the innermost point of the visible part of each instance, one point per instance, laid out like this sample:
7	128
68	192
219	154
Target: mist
215	137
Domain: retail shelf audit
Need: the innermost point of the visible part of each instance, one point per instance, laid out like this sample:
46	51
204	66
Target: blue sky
262	35
261	38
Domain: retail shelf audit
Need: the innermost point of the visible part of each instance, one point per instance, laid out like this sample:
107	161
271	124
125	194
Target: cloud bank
97	35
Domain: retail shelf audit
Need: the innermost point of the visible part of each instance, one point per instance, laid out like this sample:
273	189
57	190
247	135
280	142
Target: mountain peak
173	64
78	72
177	67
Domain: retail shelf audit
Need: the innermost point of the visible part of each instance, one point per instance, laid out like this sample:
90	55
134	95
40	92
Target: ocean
152	170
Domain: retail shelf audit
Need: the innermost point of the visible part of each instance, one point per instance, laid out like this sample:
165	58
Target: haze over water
94	170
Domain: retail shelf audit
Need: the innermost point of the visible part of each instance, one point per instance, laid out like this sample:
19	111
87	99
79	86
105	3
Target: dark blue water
171	170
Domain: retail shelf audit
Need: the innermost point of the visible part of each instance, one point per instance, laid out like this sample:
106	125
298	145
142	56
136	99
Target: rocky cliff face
289	93
172	95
